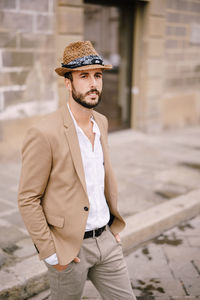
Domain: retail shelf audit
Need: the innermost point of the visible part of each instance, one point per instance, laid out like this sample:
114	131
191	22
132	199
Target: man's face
86	87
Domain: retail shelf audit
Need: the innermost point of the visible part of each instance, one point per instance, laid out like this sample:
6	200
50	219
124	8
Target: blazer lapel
102	138
72	138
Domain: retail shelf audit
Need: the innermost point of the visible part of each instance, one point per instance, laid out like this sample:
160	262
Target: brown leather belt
94	233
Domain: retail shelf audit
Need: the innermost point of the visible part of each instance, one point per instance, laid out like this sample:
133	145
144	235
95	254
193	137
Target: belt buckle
93	234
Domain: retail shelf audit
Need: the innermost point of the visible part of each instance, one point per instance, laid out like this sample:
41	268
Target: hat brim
61	71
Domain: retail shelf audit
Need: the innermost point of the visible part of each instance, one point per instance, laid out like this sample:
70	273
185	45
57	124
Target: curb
29	277
154	221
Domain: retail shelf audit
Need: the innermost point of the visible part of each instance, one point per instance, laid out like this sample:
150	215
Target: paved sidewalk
165	268
168	267
158	178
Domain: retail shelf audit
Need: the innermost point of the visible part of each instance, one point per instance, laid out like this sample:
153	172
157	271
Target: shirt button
86	208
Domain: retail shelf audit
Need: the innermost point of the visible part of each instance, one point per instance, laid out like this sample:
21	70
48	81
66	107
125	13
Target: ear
67	83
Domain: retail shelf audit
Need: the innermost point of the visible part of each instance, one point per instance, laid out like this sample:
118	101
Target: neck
81	114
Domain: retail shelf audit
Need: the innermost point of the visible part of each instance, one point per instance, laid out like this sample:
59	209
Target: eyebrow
83	73
86	73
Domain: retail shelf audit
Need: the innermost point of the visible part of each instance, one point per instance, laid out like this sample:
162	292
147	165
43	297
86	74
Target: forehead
90	72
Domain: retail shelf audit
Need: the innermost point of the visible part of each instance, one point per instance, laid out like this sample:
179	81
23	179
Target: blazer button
86	208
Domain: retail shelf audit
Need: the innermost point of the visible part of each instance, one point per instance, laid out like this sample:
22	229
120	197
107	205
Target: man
67	192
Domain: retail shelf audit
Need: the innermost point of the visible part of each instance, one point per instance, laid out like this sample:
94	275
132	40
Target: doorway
110	29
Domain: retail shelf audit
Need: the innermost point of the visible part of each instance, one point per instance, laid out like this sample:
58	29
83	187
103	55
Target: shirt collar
95	128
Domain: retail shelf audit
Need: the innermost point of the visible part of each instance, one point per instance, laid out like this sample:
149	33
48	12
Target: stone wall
169	68
166	63
27	58
69	28
148	65
181	101
155	63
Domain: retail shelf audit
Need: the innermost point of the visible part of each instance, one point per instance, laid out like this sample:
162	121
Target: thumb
77	260
117	238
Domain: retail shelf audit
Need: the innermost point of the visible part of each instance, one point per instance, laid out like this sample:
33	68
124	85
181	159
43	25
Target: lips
93	92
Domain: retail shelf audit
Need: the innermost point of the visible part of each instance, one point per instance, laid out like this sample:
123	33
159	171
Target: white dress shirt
93	164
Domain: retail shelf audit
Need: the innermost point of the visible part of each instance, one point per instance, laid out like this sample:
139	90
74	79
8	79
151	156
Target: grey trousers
101	261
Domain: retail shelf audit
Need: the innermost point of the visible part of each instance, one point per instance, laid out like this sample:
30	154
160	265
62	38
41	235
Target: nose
93	82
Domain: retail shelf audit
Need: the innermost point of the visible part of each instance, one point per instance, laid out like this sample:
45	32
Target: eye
83	75
99	75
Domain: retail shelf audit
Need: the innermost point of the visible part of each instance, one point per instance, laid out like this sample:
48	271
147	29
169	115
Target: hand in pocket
59	267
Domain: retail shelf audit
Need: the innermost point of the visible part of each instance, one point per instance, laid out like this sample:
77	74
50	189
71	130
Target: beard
80	98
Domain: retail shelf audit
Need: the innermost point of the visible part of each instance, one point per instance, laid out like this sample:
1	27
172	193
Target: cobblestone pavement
166	268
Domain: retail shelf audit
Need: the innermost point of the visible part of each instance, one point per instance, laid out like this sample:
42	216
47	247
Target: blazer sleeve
36	167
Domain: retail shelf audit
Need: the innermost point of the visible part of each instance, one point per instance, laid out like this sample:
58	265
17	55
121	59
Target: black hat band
84	61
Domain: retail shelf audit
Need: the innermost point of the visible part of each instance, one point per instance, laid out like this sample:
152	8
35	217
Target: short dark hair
68	75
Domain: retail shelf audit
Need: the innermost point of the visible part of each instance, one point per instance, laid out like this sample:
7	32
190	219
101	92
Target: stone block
171	44
154	87
25	279
70	2
47	64
169	30
155	47
180	261
13	97
194	241
13	78
60	81
45	295
62	95
176	181
17	59
180	31
173	17
9	238
62	41
16	21
194	6
155	220
178	4
178	18
7	40
155	68
170	190
34	5
14	218
192	286
153	109
156	26
40	41
151	257
67	17
9	288
4	206
13	132
179	110
7	4
45	23
25	248
158	7
156	288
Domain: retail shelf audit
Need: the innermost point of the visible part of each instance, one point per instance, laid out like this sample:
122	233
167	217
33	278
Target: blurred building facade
153	45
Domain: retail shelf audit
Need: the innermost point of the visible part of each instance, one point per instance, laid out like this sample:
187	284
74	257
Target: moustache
92	91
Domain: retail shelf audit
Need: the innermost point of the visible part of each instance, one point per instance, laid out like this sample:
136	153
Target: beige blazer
52	191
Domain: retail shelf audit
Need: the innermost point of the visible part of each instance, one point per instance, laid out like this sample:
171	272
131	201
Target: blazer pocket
55	220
